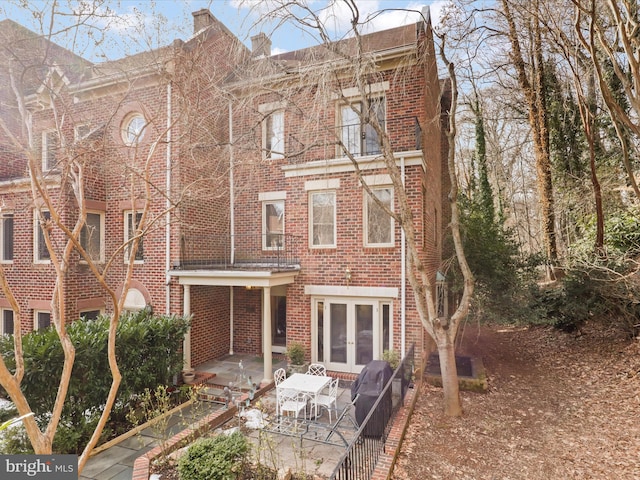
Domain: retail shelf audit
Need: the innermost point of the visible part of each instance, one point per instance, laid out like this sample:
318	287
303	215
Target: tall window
386	327
274	135
40	250
132	224
322	218
358	136
92	236
41	320
50	148
6	236
6	322
378	225
273	224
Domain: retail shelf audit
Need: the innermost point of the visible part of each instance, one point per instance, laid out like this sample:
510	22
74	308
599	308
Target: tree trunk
449	373
534	95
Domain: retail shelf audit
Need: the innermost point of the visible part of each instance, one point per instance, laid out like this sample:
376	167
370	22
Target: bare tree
607	31
91	152
530	74
325	74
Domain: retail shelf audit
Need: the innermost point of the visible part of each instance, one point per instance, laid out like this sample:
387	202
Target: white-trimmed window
6	237
133	127
386	328
90	314
272	224
273	135
41	319
6	321
358	136
322	219
40	251
378	224
92	236
131	226
50	149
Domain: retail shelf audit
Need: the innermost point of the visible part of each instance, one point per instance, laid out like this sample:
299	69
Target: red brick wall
210	323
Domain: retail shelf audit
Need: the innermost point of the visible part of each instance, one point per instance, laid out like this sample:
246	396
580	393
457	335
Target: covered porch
264	280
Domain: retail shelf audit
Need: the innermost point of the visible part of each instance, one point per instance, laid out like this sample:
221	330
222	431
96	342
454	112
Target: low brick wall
143	463
383	468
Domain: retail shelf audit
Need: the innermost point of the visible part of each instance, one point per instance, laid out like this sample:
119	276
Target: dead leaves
558	407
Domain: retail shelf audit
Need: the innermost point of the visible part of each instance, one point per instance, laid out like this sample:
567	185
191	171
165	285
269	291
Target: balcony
362	140
271	252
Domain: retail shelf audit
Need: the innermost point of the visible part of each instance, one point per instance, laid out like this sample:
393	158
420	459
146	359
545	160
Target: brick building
220	181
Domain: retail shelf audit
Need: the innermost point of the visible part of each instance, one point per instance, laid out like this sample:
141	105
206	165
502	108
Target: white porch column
266	334
186	346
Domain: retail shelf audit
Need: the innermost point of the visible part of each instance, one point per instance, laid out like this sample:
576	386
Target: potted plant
392	357
296	358
188	376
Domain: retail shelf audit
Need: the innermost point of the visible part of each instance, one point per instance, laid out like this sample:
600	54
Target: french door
348	333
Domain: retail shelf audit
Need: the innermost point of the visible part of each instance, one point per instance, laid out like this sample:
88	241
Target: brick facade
209	151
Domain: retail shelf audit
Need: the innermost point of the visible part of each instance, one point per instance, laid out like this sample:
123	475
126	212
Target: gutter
167	228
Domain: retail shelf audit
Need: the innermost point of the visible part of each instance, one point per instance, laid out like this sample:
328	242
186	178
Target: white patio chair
317	369
279	375
329	401
292	402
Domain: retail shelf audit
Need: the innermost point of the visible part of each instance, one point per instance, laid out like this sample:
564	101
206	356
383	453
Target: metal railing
361	139
361	456
244	252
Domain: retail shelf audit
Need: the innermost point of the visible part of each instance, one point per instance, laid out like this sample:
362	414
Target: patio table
302	382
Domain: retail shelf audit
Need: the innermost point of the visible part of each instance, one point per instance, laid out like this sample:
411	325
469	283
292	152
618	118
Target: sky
130	26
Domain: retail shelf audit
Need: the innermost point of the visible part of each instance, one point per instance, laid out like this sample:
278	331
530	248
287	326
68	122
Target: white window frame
389	305
36	324
312	243
101	215
49	160
86	310
133	135
137	261
37	232
265	227
356	143
3	311
4	217
365	223
273	135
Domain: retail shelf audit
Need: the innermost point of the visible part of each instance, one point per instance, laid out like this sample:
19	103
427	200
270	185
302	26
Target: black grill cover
369	385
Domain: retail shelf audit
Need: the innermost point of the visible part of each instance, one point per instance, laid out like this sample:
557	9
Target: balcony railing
362	140
242	252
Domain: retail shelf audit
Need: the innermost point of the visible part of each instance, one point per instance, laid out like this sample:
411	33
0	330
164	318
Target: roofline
383	55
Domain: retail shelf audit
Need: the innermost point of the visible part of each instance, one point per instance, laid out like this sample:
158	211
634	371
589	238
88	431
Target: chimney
260	45
201	19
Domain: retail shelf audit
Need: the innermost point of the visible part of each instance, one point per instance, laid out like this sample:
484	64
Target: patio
310	446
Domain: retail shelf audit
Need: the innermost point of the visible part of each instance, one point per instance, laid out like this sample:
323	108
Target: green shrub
295	353
222	457
148	354
569	304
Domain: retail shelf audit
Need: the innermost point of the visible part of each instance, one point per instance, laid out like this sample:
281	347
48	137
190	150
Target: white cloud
378	15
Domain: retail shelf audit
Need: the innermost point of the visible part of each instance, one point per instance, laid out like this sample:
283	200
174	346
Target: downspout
167	228
403	280
231	224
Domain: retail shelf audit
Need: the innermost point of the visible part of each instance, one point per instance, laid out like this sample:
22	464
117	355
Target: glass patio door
347	333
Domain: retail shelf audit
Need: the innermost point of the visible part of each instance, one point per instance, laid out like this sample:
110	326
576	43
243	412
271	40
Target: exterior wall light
347	275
